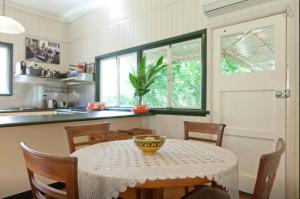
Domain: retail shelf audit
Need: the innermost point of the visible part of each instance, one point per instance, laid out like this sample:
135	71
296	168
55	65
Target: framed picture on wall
42	51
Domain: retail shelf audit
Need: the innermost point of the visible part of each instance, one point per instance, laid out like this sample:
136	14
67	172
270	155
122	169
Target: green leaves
145	76
133	80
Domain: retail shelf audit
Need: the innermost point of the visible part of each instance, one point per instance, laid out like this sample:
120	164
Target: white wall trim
34	11
292	138
247	182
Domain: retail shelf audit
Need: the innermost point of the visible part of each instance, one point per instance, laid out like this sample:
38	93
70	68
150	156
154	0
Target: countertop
7	121
14	110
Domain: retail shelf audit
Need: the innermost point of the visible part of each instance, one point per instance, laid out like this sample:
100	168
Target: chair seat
137	131
113	135
207	193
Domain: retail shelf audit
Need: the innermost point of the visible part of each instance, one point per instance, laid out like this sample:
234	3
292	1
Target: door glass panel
158	95
186	74
250	51
109	81
127	64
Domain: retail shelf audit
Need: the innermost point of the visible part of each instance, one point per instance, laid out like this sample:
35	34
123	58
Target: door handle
283	93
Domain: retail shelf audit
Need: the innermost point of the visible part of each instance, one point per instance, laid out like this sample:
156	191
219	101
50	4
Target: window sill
118	108
167	111
175	111
9	94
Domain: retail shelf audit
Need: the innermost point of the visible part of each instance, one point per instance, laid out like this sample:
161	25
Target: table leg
152	193
138	193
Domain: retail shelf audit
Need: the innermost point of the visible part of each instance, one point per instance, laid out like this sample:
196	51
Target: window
116	89
6	68
158	95
179	85
180	88
247	52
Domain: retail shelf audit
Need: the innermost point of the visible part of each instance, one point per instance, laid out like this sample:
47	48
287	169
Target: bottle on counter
23	68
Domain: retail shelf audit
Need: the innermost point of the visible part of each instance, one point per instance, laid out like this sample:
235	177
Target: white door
249	68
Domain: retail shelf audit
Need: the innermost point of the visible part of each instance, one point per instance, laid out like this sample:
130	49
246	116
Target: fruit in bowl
96	106
149	144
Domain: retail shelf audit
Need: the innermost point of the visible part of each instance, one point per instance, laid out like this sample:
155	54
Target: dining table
108	168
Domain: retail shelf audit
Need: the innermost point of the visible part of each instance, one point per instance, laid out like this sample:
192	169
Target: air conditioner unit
218	7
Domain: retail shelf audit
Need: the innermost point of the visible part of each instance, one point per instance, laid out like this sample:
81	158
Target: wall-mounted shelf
81	78
54	80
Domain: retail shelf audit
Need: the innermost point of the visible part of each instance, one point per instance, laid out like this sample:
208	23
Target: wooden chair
267	169
137	131
62	169
204	128
266	174
207	128
95	133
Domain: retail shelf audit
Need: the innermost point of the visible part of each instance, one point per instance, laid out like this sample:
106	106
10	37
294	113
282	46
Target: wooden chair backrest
267	169
206	128
62	169
137	131
94	132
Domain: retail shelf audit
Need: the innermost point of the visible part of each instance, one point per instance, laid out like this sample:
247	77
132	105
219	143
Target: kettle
62	104
52	103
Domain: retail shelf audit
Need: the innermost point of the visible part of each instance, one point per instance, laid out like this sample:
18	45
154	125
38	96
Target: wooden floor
171	193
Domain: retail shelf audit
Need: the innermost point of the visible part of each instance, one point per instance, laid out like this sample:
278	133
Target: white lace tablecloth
108	168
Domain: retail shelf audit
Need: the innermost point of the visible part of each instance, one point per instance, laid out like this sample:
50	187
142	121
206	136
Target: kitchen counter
46	133
7	121
25	109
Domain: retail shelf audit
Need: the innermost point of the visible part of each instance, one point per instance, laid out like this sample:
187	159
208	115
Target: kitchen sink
67	112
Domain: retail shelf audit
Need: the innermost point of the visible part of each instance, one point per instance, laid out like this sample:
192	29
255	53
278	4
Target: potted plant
141	80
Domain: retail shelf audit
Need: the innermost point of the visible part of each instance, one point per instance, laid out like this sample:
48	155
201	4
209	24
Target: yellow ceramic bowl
149	144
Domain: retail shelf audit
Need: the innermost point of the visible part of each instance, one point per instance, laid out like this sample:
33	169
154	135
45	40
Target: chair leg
186	189
214	184
197	187
138	193
152	193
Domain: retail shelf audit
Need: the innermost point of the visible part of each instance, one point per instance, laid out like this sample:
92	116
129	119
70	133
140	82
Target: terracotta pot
140	109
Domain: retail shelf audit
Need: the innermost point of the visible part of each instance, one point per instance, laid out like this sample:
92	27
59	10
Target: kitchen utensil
44	72
21	68
49	73
35	71
62	104
52	103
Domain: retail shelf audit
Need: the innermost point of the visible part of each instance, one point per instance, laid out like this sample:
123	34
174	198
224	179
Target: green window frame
9	68
202	34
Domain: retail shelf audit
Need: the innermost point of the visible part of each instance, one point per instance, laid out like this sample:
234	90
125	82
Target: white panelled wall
41	28
121	24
